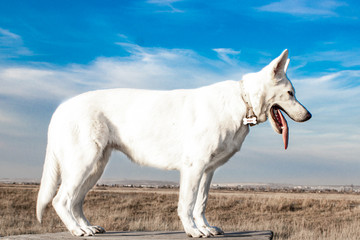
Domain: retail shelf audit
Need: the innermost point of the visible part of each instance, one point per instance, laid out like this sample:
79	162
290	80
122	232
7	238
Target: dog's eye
291	93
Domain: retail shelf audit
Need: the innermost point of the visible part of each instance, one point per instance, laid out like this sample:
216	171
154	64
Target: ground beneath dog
250	235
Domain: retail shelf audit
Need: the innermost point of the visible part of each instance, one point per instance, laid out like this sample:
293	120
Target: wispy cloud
6	35
145	68
11	124
346	58
167	5
11	45
32	83
333	99
228	55
7	118
304	7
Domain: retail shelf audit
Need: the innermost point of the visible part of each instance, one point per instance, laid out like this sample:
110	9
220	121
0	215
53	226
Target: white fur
193	131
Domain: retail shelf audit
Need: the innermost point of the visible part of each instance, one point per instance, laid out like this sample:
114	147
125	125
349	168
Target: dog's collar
250	117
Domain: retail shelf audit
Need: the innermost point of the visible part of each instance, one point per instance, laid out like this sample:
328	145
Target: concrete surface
250	235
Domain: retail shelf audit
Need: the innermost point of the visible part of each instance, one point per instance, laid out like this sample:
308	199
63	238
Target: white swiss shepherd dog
194	131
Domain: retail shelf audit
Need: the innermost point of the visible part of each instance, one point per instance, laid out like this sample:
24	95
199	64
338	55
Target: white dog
194	131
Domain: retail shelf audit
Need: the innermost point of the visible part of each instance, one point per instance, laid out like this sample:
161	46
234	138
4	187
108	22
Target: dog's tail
49	182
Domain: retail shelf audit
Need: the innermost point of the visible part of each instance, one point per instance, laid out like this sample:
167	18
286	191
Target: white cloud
7	35
346	58
334	101
151	68
304	7
227	55
6	118
168	4
32	83
11	124
11	45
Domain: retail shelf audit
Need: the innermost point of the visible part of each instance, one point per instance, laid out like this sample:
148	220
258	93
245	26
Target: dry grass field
289	215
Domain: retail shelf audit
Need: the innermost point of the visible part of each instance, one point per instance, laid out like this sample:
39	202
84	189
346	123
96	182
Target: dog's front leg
200	206
190	177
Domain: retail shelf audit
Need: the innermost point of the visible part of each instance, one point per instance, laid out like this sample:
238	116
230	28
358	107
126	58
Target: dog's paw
215	230
194	232
88	231
82	231
205	232
77	232
97	229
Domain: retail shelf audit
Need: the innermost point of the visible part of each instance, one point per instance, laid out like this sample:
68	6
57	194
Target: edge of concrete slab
244	235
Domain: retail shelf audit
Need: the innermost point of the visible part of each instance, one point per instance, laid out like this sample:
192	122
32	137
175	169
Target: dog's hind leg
63	204
91	180
200	206
78	165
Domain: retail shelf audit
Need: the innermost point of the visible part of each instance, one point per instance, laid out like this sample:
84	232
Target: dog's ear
286	65
279	65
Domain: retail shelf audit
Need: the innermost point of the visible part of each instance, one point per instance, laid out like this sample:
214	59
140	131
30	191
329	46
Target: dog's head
270	92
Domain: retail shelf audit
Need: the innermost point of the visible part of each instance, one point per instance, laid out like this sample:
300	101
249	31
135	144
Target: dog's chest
230	144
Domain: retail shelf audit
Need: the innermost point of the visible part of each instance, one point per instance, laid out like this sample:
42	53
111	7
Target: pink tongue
285	129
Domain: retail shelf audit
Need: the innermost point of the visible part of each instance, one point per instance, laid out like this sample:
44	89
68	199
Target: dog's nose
308	116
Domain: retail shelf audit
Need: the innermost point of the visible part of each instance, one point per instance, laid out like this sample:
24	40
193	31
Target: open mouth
280	123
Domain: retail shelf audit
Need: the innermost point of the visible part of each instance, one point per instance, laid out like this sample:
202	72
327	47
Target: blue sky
53	50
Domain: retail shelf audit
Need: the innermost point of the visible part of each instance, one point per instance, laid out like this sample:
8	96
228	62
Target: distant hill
266	187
